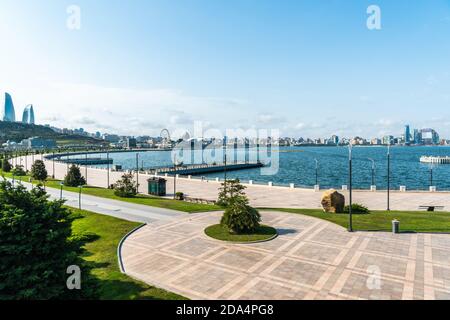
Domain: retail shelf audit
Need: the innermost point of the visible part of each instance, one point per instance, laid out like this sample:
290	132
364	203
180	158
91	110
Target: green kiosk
157	186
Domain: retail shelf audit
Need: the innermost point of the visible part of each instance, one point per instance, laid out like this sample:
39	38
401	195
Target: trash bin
157	186
395	226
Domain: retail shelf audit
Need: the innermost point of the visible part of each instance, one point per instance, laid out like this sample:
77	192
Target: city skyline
316	71
424	136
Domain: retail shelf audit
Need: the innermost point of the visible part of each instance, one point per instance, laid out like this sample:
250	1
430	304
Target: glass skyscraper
8	113
407	135
28	114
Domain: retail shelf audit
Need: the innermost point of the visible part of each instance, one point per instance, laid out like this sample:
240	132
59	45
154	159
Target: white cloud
122	110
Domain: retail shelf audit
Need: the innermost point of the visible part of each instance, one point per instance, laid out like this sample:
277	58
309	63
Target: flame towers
28	115
8	113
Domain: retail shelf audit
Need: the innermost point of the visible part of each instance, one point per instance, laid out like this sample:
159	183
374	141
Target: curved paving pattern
311	259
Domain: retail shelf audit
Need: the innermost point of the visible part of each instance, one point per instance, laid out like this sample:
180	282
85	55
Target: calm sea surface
297	165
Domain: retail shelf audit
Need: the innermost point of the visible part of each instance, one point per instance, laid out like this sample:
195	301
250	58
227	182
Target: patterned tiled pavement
311	259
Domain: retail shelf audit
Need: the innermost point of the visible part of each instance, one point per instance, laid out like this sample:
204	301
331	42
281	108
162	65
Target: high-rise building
417	137
407	135
28	114
8	113
334	139
429	136
388	140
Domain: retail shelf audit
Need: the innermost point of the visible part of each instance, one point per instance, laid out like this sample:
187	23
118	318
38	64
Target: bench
431	208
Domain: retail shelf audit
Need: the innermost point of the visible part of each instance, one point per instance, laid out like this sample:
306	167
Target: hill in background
17	131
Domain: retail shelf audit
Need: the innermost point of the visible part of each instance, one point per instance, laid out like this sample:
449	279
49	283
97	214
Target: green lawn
221	233
102	254
140	199
410	221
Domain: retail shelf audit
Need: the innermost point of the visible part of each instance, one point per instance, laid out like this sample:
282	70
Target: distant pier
198	169
435	160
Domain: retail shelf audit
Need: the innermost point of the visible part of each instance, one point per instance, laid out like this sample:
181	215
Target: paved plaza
311	259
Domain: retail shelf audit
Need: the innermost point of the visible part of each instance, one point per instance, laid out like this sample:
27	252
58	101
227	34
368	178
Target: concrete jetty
199	169
435	160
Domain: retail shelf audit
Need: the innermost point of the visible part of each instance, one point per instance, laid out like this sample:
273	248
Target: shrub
38	171
36	247
125	187
6	166
240	218
19	171
179	196
357	209
74	178
231	190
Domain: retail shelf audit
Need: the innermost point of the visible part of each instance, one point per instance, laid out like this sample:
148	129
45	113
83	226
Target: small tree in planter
126	187
74	178
6	166
38	171
230	191
239	217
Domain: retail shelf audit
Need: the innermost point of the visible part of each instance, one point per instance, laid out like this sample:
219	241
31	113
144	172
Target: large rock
333	201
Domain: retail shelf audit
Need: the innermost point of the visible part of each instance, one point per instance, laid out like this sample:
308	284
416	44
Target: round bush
239	218
74	177
357	209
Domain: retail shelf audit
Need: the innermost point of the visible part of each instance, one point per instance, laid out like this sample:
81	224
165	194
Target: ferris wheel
165	135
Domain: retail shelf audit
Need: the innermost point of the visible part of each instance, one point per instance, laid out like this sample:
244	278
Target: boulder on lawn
333	202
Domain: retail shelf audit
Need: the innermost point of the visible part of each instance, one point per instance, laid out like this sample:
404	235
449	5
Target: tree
125	187
37	247
38	171
6	166
19	171
74	178
240	218
231	190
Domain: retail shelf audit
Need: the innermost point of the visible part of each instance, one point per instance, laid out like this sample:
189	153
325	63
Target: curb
242	242
119	247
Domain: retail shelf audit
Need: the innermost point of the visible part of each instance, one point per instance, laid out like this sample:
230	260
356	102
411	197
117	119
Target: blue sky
308	68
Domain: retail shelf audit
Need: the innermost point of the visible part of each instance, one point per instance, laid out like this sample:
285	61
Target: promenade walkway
265	196
119	209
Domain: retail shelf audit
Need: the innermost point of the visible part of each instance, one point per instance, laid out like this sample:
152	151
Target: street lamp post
53	176
373	171
107	174
79	196
431	176
174	176
350	225
388	177
61	190
225	159
317	172
137	171
86	167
